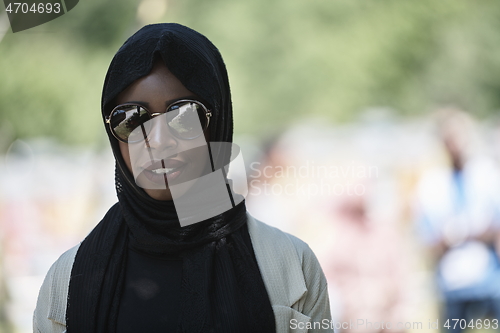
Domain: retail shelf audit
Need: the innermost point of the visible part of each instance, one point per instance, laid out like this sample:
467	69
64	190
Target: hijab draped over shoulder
222	288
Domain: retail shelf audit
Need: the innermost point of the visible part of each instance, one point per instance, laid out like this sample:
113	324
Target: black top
152	291
222	288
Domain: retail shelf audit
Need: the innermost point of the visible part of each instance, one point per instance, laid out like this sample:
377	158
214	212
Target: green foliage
52	75
294	59
287	60
101	24
50	91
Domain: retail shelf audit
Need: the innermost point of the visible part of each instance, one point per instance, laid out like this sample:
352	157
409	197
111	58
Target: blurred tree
335	58
103	24
287	60
52	74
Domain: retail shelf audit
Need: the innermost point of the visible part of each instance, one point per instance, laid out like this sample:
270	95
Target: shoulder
271	236
272	244
293	277
50	311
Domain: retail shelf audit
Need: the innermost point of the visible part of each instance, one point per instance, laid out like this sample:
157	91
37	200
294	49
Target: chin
163	195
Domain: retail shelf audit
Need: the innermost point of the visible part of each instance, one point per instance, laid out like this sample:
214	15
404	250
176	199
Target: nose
159	137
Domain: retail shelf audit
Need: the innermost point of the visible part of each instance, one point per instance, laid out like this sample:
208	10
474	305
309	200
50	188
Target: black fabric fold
222	286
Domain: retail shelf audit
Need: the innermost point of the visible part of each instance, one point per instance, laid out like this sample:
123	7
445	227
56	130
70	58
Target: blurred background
369	129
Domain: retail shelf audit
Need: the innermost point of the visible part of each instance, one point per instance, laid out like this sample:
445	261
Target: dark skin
154	91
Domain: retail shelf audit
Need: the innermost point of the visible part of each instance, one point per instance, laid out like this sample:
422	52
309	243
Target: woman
157	262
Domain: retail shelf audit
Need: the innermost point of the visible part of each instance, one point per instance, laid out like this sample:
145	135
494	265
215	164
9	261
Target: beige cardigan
292	275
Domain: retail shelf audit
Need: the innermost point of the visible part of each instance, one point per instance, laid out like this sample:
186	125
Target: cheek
203	165
199	160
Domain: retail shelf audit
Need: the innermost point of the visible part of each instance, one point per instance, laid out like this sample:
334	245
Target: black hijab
222	289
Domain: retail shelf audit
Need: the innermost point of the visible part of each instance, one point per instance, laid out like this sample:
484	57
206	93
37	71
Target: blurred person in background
267	199
458	219
367	268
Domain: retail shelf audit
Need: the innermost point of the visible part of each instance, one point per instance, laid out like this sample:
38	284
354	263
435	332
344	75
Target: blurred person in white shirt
458	215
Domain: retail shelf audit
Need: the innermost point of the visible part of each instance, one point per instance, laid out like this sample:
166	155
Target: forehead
159	86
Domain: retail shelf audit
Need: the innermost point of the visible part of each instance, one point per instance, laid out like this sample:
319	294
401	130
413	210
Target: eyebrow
167	103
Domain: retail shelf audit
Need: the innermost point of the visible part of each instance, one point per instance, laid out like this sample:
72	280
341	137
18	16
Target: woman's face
151	163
